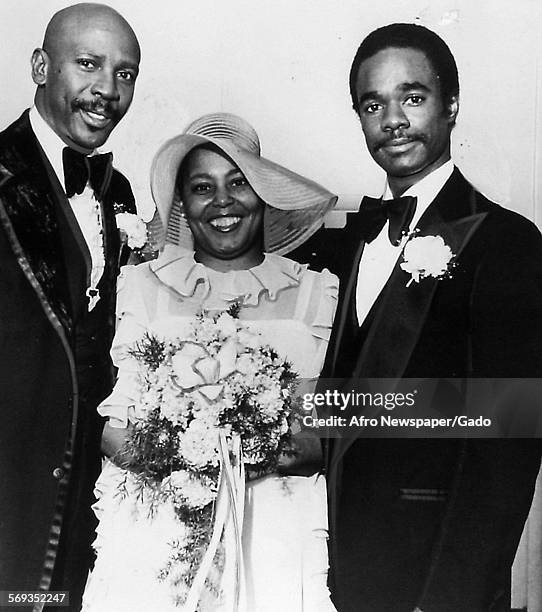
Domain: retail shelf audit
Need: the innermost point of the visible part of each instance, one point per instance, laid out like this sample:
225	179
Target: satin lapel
453	216
76	251
110	232
408	304
342	318
389	346
110	237
30	203
350	243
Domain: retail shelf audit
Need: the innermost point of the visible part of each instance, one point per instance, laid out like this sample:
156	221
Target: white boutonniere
133	230
425	256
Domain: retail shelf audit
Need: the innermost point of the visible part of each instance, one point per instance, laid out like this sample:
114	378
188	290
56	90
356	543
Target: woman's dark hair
411	36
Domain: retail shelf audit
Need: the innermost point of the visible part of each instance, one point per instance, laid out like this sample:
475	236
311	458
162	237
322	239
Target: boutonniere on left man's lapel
425	256
133	230
134	235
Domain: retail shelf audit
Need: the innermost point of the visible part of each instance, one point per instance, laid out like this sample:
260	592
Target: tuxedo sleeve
494	484
323	250
506	303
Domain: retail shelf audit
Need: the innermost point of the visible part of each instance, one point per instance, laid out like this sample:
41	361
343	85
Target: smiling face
406	125
224	213
86	74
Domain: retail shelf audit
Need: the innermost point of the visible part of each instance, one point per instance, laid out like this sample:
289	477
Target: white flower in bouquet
150	398
163	437
270	401
219	395
184	362
194	366
249	339
206	331
198	445
196	491
133	229
160	376
246	365
174	406
205	411
227	358
208	369
226	324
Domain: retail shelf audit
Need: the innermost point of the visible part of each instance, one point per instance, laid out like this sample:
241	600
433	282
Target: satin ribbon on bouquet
196	369
228	519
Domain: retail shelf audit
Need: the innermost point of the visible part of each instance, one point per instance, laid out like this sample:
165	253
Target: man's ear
452	109
40	65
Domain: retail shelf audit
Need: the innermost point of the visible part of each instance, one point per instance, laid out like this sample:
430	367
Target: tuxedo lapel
343	323
399	314
30	205
76	245
388	347
77	256
345	265
111	239
44	223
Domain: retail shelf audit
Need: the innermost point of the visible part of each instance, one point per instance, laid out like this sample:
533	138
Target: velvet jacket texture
434	523
54	367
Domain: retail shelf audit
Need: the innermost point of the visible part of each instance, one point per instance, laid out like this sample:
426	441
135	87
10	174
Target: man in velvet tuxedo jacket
59	258
427	524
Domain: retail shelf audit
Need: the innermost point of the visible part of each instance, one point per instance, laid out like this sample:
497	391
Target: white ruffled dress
285	524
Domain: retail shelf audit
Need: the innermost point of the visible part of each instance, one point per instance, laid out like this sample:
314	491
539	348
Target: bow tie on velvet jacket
79	169
374	212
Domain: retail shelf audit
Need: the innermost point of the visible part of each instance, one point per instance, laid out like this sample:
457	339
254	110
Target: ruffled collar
177	268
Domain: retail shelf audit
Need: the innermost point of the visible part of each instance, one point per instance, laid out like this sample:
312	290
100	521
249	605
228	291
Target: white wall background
283	65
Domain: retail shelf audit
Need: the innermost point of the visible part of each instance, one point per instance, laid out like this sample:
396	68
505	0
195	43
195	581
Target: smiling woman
229	214
211	184
223	212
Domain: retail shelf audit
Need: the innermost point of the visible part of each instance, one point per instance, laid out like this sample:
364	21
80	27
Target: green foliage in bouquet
219	379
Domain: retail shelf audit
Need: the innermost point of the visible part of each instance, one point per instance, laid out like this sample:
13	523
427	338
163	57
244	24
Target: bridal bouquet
208	403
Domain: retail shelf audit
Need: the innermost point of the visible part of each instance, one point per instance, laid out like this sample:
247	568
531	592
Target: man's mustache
400	136
98	105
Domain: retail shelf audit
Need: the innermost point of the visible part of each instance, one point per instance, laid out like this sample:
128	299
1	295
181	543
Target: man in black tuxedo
427	524
59	257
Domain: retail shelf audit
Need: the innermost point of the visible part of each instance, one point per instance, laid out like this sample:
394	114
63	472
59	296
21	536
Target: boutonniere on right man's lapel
425	256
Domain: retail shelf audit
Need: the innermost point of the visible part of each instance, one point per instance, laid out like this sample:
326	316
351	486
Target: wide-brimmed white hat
295	205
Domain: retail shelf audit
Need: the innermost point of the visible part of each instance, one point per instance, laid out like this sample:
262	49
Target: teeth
97	117
224	222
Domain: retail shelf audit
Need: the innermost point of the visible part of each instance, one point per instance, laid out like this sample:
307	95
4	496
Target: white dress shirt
380	256
85	206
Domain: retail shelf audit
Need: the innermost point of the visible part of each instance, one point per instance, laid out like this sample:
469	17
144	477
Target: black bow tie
374	213
80	169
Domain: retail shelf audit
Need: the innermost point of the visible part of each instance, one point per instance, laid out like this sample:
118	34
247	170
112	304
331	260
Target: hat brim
295	209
